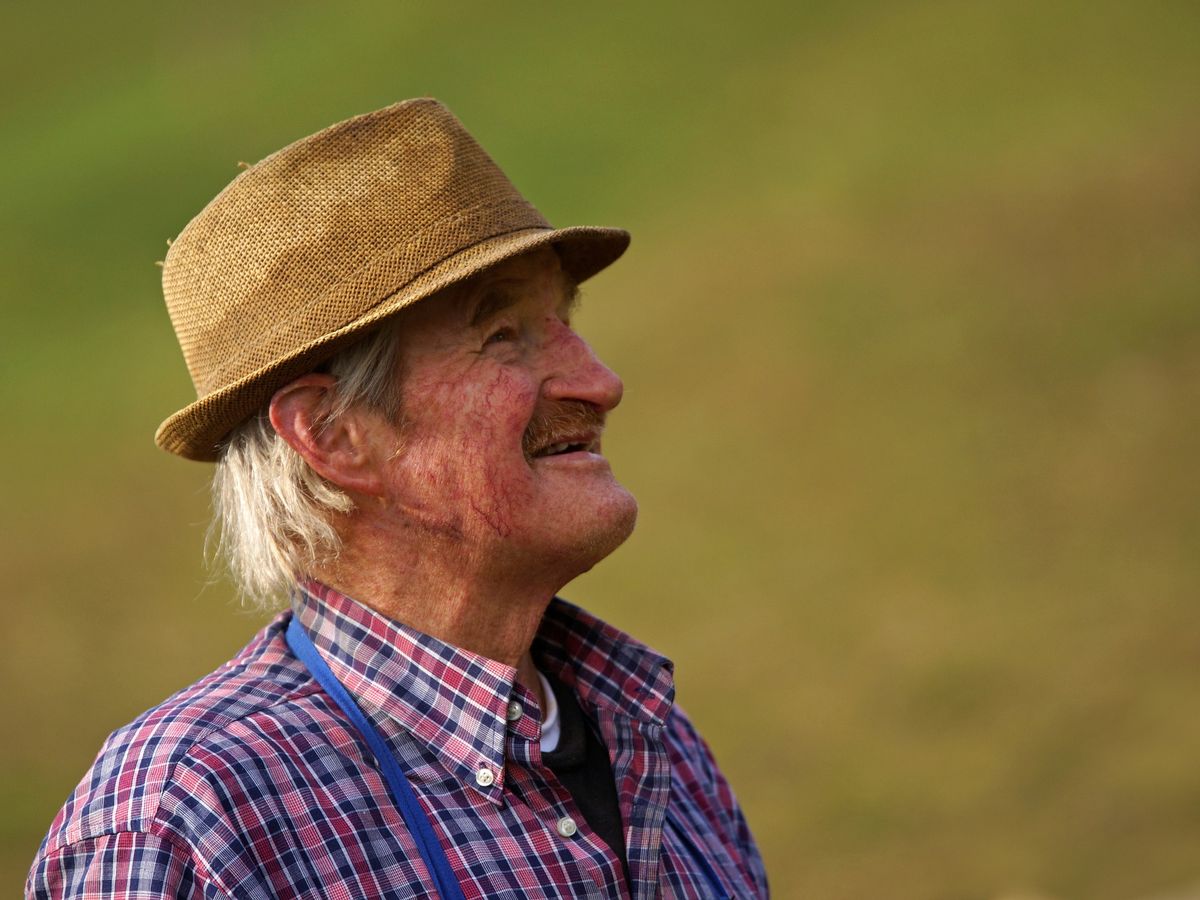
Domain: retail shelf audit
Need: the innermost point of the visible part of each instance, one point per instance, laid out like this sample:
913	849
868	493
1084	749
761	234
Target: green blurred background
910	330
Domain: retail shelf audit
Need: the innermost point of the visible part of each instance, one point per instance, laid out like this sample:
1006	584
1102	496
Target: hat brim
197	431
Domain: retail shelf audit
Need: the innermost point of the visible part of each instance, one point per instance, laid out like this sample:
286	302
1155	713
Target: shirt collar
454	701
606	667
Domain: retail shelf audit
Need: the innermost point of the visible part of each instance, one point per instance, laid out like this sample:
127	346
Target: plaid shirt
252	783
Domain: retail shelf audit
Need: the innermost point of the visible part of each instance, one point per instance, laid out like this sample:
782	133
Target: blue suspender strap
402	793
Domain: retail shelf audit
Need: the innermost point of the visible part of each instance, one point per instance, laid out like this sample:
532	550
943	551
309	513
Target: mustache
560	421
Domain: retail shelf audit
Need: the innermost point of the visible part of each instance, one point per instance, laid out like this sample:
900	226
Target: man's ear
339	449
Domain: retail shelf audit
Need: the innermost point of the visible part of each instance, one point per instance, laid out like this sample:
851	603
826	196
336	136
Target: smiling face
502	410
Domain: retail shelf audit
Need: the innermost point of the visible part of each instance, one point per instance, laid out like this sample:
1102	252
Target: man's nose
578	374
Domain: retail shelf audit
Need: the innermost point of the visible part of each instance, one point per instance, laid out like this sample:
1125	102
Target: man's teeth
563	447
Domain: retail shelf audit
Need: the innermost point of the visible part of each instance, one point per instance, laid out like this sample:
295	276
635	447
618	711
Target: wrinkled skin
468	519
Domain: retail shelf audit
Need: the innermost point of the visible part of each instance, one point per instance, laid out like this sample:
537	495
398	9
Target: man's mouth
572	445
562	428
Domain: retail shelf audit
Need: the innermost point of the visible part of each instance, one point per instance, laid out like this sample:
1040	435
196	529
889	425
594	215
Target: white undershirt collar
551	730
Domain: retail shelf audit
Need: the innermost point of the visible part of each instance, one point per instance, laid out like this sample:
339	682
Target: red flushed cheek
503	401
464	453
502	409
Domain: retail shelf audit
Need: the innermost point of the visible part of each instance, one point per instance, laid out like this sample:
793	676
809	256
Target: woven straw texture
324	239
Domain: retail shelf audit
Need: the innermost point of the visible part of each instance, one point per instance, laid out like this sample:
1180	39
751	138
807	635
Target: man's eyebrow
572	296
500	295
494	298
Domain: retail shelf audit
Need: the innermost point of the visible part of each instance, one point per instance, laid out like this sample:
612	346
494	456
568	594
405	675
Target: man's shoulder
691	757
227	713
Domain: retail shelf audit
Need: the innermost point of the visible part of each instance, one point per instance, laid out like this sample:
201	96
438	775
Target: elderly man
407	437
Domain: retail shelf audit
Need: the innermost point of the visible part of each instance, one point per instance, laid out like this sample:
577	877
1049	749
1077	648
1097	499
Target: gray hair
271	512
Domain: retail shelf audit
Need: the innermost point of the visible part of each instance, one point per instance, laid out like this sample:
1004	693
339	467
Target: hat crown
318	233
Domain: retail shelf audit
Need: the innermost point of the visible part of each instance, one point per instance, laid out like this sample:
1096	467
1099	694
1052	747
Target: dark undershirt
580	761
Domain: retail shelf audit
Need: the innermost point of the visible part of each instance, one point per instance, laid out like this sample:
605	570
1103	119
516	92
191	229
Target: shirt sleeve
127	864
704	778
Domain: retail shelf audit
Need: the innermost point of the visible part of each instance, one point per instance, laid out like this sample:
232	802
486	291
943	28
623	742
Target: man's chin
624	521
615	522
596	535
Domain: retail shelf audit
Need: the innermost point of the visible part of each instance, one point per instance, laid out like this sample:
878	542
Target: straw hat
305	251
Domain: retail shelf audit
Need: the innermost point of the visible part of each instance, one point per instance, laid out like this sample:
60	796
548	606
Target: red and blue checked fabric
251	783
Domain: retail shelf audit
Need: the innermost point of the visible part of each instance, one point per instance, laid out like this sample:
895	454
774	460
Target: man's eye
501	335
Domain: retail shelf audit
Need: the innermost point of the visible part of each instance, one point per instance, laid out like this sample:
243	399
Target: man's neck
493	619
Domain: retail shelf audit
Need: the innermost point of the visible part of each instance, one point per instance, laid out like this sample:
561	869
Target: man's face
502	405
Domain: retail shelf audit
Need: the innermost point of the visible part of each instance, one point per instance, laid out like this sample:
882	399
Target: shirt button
515	711
566	827
484	777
